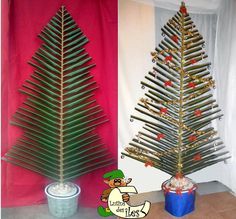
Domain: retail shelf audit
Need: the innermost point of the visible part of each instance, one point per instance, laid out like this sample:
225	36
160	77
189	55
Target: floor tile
228	214
222	201
212	206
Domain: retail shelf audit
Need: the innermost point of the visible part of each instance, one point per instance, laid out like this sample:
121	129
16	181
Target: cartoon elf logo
117	198
113	179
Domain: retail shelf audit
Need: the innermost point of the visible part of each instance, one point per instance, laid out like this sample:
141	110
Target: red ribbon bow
166	190
178	191
190	191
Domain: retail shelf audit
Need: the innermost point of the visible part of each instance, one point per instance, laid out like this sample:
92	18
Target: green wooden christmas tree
178	106
60	113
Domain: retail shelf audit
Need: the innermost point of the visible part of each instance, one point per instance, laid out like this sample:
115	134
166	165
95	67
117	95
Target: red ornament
168	83
193	61
163	110
178	191
198	112
190	191
160	136
149	163
168	58
178	175
183	10
166	191
192	138
191	85
197	157
174	38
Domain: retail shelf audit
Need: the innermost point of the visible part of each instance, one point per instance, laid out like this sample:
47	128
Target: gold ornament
180	165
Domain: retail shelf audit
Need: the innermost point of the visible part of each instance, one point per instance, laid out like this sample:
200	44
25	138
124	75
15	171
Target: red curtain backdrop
22	21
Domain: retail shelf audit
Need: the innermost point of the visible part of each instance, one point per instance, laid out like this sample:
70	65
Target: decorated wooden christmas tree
178	106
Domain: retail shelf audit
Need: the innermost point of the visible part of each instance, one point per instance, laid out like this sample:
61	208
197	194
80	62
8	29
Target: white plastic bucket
63	206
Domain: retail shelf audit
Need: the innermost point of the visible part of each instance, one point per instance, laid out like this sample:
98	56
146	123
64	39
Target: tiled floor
41	212
213	206
213	201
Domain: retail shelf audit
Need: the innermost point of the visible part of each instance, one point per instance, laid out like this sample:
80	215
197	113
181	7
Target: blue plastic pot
179	203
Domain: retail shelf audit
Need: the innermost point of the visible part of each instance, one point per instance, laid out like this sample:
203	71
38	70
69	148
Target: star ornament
163	110
183	10
168	83
191	85
192	138
149	163
193	61
179	176
197	157
174	38
160	136
168	58
197	112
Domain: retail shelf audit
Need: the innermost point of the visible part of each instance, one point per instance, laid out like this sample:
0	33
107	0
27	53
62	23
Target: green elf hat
114	174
